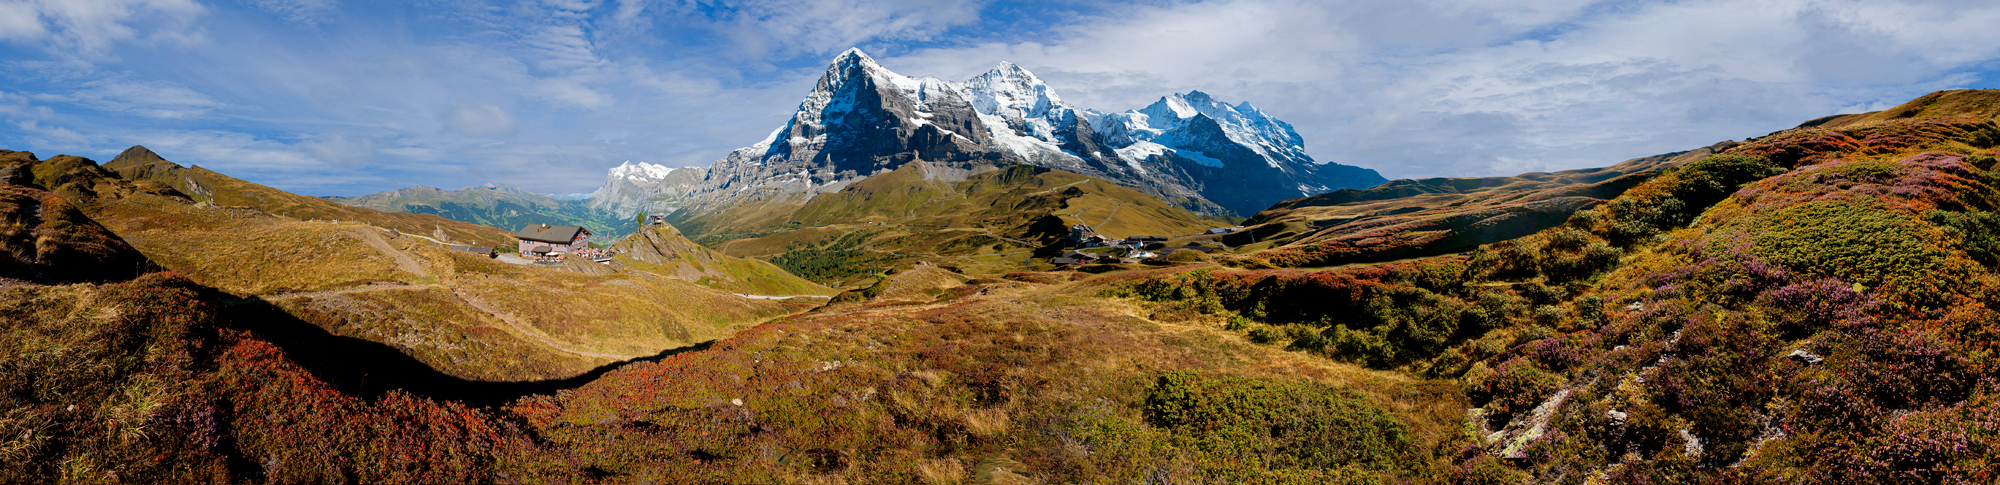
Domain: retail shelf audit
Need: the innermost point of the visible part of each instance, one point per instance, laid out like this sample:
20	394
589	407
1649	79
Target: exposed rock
1803	356
1524	429
586	266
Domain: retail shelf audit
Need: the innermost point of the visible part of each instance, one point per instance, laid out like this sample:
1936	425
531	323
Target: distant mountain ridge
497	205
862	119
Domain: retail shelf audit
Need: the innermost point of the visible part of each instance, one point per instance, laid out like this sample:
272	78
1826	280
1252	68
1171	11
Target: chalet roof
549	234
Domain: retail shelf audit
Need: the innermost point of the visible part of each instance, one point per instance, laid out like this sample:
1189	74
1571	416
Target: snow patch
1197	157
640	171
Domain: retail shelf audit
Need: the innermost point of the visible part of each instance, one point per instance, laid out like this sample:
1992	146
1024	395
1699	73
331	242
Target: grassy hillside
1413	218
1816	306
1427	217
462	314
139	164
988	223
664	251
1810	307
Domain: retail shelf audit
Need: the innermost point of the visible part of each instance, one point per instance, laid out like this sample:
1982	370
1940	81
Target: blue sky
332	97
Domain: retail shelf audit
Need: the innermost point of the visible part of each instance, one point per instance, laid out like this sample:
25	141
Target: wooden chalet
542	239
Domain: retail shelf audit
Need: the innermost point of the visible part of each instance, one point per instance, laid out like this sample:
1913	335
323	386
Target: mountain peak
640	171
850	63
1012	92
851	53
138	155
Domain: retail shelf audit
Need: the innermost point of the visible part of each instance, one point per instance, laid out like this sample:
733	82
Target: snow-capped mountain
634	187
862	119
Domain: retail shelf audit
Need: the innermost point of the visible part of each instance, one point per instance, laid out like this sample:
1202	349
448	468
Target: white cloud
479	120
1492	87
52	136
760	29
301	11
149	99
20	21
573	93
89	27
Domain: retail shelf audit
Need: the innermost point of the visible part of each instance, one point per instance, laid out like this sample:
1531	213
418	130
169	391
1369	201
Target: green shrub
1979	231
1676	198
828	259
1868	245
1277	424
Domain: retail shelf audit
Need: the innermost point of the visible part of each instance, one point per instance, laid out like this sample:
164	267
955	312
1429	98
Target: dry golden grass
246	252
208	186
1973	103
926	389
562	323
977	224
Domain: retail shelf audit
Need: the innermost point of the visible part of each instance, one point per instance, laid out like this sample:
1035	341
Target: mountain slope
1811	306
662	250
984	223
140	164
496	205
1425	217
163	378
44	238
463	315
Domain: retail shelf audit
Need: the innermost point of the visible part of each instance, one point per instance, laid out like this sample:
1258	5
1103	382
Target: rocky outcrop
45	237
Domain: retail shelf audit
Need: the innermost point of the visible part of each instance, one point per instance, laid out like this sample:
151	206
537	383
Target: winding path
403	261
474	301
529	330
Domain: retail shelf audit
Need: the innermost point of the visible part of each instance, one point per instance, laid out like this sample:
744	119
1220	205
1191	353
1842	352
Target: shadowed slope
466	315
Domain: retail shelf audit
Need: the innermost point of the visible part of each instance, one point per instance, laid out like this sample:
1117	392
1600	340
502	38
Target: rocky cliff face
861	120
632	188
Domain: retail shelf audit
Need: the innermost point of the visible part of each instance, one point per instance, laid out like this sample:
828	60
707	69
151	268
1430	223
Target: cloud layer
323	97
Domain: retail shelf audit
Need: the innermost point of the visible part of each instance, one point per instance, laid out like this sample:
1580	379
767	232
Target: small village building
480	250
1073	257
544	239
1081	233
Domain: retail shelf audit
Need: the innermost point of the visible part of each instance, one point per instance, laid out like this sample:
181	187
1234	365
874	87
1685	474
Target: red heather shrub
295	428
1797	148
1812	306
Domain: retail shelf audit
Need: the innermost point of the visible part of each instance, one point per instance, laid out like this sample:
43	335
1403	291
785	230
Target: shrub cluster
828	259
1827	323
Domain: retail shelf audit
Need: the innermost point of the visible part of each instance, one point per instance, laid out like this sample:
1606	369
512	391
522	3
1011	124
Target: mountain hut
542	239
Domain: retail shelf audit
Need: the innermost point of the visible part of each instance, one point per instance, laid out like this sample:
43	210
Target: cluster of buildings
1083	237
